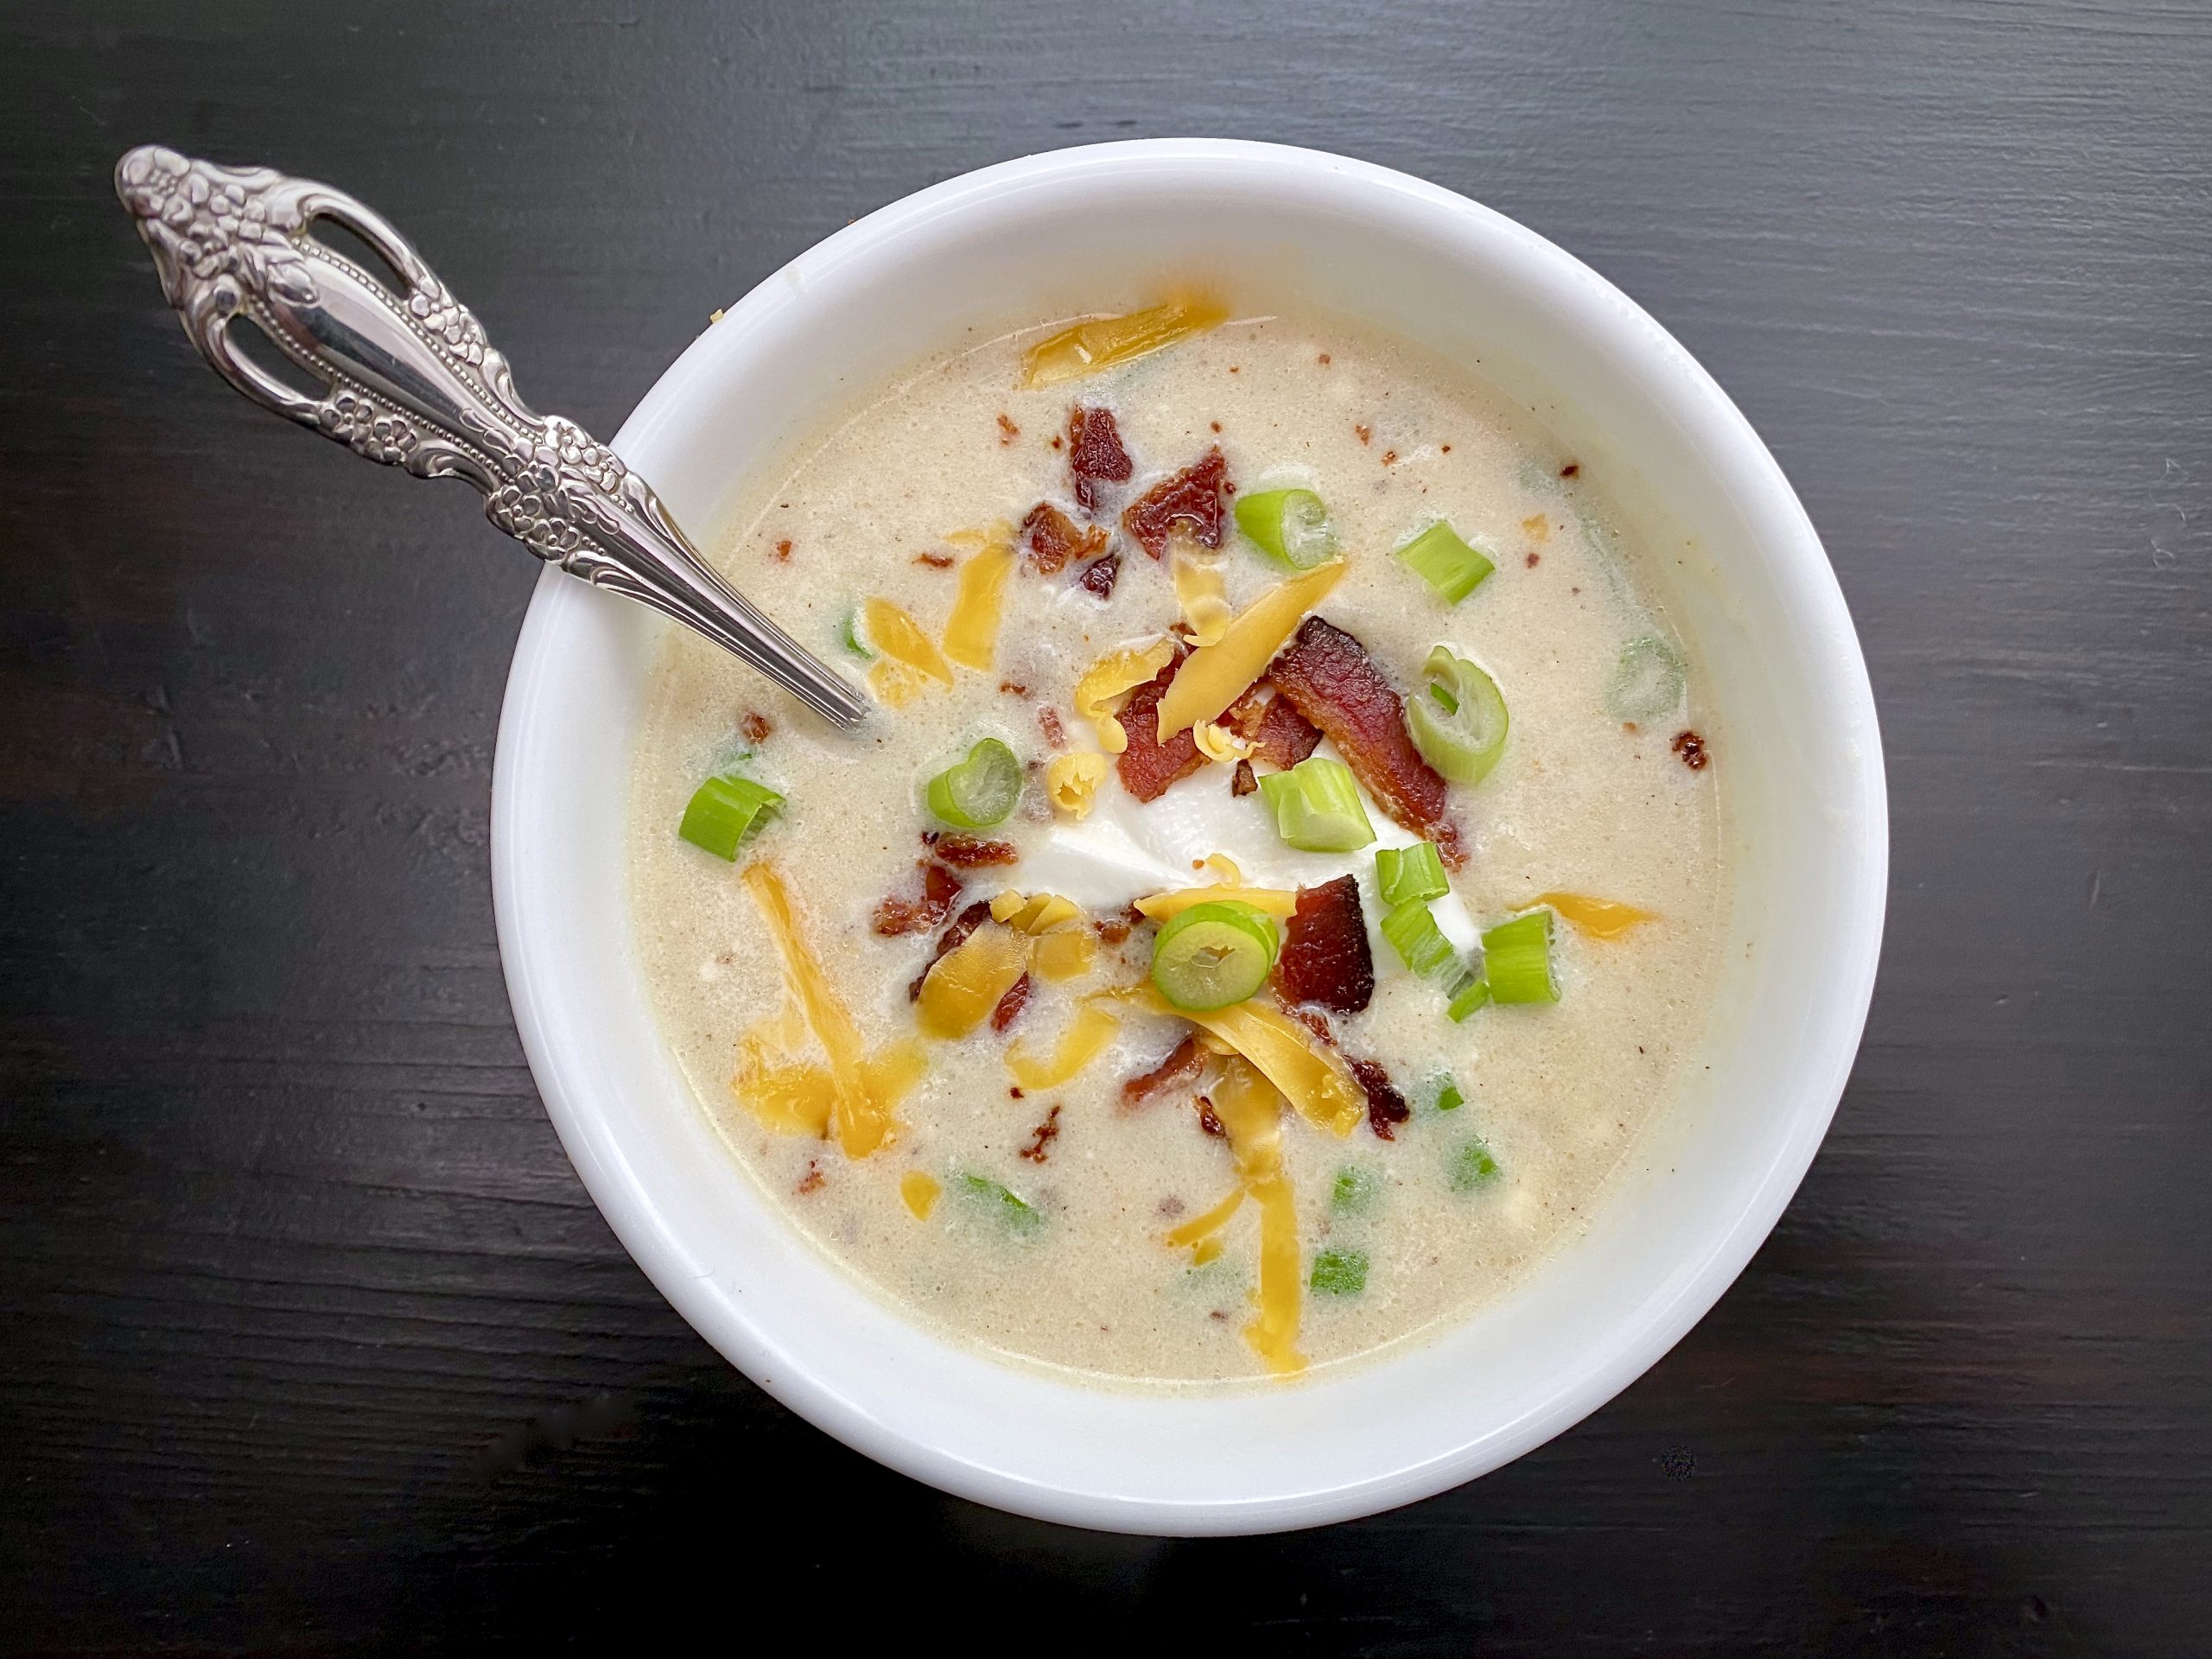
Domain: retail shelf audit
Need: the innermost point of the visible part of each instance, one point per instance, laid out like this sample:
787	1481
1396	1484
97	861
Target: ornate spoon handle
412	382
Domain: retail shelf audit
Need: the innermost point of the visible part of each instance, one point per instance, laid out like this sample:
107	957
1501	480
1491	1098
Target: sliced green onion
1448	1097
1000	1203
979	792
1355	1191
1317	807
1459	725
1439	558
1470	991
1648	680
724	812
1414	934
1339	1272
1290	526
848	633
1471	1167
1213	955
1406	875
1517	959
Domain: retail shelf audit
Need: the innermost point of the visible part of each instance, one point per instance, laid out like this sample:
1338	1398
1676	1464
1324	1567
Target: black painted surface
310	1339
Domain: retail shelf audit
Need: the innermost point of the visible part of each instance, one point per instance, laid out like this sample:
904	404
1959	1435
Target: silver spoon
409	380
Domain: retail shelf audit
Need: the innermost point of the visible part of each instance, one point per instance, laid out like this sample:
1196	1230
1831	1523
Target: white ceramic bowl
1799	757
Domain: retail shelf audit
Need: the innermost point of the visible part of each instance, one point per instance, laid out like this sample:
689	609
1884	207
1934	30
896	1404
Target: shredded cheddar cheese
919	1193
1094	1028
1215	676
1065	953
1217	743
1201	1231
1291	1057
1200	593
972	633
1601	918
898	636
1251	1115
893	684
1072	781
1164	906
1099	343
855	1092
1099	694
963	985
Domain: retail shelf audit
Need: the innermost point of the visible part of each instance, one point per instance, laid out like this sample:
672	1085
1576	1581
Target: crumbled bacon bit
1050	539
1279	735
1570	469
1365	432
1216	425
1111	930
1095	454
1445	447
1389	457
1245	781
1324	359
1385	1105
963	924
1207	1121
1189	502
1692	748
935	561
1325	958
970	852
940	887
1007	431
1330	678
1014	1094
1010	1005
756	726
1013	687
1534	560
1147	766
1042	1136
1185	1059
1048	721
811	1181
783	552
1097	577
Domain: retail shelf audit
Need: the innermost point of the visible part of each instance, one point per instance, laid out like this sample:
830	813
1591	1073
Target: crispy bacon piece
1111	930
1010	1005
1097	577
1691	748
1190	501
1326	958
1094	454
1329	677
963	924
1185	1059
897	915
1042	1136
970	852
1385	1105
1147	766
1245	781
1279	735
1050	539
756	726
1207	1119
935	561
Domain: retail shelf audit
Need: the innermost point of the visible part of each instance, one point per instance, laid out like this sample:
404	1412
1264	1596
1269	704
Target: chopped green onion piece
1213	955
1414	934
1448	1097
1470	993
1317	807
1290	526
979	792
999	1202
1517	959
1439	558
1339	1272
1459	727
1648	680
848	633
724	812
1355	1191
1471	1167
1406	875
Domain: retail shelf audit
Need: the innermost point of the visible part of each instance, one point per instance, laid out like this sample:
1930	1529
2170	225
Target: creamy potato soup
1278	885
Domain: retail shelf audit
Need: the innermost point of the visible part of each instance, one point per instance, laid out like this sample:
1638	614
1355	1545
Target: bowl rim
1802	566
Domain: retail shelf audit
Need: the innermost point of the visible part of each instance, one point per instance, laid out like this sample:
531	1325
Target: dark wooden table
310	1339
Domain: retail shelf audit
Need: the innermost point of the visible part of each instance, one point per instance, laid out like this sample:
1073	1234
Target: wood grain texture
310	1339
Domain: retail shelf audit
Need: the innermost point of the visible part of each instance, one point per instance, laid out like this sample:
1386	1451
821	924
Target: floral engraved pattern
367	428
212	222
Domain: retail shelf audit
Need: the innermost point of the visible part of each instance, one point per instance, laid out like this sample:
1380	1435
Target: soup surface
1038	1153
